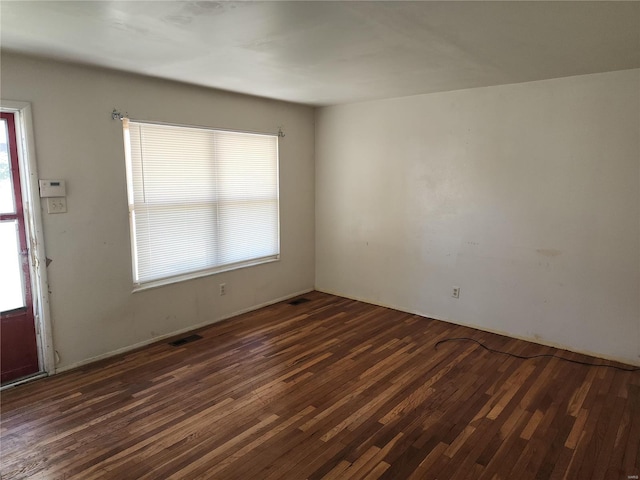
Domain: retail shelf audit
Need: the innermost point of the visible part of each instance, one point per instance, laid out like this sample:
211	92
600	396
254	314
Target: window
200	200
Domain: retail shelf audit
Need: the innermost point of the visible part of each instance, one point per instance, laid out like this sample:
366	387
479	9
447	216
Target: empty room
320	240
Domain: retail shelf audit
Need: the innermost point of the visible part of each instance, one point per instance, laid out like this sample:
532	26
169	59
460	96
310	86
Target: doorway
25	340
18	344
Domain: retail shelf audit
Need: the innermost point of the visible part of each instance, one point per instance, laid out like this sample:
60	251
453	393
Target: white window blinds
200	200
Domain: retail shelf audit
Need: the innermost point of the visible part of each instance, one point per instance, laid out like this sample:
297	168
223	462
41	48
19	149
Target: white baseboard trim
190	328
537	341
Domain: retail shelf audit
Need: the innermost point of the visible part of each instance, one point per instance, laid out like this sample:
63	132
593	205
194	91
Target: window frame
178	278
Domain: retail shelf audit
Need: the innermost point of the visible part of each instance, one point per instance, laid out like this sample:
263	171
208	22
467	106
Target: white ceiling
323	53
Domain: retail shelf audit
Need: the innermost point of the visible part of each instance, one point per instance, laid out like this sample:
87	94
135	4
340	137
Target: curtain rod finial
116	115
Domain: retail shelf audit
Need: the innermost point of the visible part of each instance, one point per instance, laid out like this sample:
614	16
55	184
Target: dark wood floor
332	389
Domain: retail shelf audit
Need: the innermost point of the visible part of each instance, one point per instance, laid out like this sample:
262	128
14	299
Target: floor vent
298	301
182	341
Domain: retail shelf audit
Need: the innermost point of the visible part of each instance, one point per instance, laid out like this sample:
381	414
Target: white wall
526	196
93	310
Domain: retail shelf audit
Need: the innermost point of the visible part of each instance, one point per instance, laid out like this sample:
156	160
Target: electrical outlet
455	293
223	289
56	205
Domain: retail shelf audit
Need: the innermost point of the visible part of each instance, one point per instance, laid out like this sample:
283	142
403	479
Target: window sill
203	273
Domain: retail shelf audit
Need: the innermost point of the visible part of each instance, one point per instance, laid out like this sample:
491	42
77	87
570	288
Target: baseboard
537	341
176	332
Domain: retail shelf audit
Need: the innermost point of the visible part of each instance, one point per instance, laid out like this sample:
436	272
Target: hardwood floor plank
332	388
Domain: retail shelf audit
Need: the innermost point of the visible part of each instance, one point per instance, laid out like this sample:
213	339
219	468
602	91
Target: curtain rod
117	115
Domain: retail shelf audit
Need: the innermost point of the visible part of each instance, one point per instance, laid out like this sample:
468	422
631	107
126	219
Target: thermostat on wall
53	188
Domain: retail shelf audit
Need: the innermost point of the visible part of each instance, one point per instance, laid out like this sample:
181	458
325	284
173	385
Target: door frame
34	231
